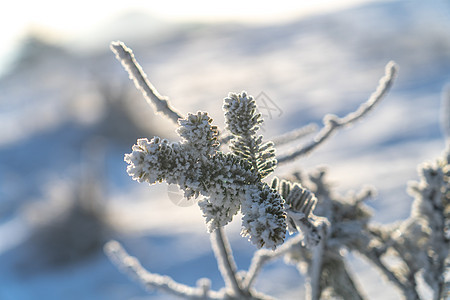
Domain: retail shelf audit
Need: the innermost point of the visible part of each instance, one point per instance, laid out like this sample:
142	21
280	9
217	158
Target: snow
328	63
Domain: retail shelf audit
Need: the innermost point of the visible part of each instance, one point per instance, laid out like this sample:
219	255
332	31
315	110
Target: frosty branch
295	134
225	260
131	266
229	182
160	103
332	122
234	182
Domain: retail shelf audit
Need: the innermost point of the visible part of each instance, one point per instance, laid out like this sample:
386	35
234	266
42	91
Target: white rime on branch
160	103
294	135
333	122
225	261
131	266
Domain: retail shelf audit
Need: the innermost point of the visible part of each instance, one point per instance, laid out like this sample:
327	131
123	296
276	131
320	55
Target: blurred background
68	113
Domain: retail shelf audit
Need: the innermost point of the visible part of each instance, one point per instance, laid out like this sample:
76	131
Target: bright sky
72	18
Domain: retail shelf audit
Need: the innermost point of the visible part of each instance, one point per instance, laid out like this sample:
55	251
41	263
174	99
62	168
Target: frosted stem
313	289
126	57
225	260
132	267
295	134
332	122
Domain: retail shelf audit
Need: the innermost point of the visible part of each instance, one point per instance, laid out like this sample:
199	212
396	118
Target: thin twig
332	122
131	266
126	57
313	288
225	261
294	134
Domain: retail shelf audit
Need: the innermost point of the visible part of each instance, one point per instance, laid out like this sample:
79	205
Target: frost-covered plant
231	182
422	242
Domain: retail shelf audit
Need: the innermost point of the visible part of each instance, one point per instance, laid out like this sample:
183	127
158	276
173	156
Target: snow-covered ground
67	115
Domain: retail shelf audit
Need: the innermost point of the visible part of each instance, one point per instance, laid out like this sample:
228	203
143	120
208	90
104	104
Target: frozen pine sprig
431	209
264	221
195	165
300	202
224	181
159	160
233	186
243	120
420	243
198	135
344	228
240	114
150	160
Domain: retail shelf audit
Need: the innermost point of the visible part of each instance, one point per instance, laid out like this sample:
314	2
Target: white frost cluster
240	113
149	160
159	160
431	209
198	168
242	120
264	221
229	189
224	187
198	135
300	202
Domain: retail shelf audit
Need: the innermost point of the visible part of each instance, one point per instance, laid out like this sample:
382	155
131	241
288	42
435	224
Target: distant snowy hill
58	101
